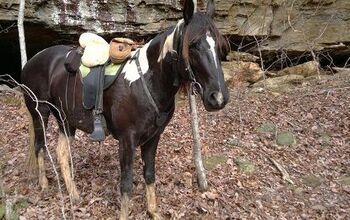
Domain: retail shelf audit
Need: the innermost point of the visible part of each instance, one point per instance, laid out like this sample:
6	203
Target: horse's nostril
216	98
212	96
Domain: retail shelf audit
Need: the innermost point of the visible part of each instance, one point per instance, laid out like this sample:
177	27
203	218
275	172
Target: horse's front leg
126	157
148	153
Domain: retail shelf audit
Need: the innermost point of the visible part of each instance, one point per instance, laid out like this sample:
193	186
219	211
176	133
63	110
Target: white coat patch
211	43
219	98
169	42
130	68
195	6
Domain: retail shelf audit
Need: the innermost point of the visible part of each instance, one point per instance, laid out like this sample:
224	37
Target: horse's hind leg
63	155
37	140
148	153
32	162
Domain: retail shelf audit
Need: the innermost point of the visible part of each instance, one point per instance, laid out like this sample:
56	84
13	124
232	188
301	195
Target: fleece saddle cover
91	78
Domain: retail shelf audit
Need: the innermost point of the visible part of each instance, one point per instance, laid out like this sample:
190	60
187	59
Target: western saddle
94	52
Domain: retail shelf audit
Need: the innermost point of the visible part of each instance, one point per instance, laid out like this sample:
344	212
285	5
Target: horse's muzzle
215	101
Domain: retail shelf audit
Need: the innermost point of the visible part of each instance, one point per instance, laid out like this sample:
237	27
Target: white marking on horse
211	43
130	68
219	97
195	6
169	42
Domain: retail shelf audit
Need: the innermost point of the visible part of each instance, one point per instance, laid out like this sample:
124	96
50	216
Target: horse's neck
163	84
163	76
152	62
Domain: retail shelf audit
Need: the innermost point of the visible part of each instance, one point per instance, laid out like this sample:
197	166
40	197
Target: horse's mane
199	26
200	20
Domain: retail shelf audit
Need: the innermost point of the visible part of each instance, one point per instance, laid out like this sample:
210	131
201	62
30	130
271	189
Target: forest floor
303	127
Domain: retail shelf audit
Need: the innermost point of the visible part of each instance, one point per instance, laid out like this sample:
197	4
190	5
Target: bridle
195	87
177	61
180	61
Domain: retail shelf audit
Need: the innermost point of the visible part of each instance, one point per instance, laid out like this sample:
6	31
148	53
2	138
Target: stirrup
98	134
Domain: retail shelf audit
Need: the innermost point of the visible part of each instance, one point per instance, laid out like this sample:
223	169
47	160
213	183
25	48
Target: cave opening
274	60
37	38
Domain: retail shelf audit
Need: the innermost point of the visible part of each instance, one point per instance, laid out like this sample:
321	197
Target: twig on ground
292	124
285	175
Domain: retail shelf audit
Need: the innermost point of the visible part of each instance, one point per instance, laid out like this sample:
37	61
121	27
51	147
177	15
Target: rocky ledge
282	32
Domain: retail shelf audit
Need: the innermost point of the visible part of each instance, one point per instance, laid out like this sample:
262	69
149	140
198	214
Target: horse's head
202	47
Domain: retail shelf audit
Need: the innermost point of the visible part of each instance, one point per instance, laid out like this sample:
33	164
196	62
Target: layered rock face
278	29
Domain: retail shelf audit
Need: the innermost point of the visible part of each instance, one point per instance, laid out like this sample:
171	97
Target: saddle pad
90	81
110	70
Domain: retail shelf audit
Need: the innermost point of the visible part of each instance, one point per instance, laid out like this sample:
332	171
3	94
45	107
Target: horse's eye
195	46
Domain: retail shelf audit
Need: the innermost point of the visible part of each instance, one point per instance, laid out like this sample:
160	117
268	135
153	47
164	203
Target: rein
148	93
179	44
195	86
161	116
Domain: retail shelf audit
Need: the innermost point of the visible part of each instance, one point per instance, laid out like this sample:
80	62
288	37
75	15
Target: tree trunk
22	42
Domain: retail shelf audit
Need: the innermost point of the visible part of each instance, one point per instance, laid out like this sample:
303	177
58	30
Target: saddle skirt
90	77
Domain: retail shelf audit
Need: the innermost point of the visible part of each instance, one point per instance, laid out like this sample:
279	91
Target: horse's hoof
44	189
75	198
156	216
74	195
44	183
32	170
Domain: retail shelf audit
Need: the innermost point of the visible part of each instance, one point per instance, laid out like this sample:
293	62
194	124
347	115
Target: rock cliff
280	30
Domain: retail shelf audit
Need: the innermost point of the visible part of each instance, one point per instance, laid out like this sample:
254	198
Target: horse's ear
190	8
211	8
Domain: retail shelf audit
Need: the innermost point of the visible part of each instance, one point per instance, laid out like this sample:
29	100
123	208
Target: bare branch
285	175
289	20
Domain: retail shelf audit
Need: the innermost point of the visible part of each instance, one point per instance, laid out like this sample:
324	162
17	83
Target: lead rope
148	93
197	145
195	87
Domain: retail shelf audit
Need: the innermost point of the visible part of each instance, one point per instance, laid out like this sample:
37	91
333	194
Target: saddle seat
97	51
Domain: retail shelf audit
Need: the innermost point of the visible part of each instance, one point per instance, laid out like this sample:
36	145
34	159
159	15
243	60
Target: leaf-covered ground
305	128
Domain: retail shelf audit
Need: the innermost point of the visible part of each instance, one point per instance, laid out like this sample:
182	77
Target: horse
137	106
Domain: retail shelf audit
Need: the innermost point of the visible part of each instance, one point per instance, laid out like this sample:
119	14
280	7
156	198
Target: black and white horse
138	105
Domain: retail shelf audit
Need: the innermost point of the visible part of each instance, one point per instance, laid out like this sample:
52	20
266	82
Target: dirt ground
304	128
